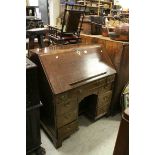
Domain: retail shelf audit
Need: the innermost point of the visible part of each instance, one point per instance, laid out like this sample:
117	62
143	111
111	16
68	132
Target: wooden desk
67	77
118	52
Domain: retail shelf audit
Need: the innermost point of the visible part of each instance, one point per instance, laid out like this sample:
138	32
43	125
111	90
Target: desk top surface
76	67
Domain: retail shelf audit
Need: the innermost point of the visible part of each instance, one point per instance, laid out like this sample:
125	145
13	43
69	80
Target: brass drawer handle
63	97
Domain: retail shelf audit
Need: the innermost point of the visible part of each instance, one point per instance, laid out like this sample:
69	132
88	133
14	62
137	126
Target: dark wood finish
33	137
36	33
68	75
118	51
122	142
71	25
79	65
33	22
32	97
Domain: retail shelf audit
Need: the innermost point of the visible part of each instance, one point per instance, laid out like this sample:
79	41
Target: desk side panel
46	97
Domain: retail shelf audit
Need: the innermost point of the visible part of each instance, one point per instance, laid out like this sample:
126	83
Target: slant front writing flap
72	69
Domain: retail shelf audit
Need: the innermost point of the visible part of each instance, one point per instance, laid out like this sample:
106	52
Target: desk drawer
64	107
106	88
102	110
105	82
96	84
91	88
110	78
65	97
67	130
104	98
67	117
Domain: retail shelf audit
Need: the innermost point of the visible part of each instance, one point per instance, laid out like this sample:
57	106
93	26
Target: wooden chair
71	25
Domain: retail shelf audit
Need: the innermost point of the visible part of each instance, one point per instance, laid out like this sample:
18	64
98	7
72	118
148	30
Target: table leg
40	41
31	42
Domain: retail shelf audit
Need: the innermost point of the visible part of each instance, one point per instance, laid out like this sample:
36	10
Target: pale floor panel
97	138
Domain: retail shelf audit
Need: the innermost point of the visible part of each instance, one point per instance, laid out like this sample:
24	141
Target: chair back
73	18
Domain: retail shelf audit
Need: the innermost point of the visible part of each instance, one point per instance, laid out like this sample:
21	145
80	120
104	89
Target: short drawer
102	110
67	130
67	117
104	98
91	88
97	83
110	78
65	107
105	88
65	97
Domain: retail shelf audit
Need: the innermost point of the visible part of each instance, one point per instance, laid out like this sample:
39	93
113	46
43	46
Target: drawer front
104	82
104	98
65	97
107	87
67	118
91	88
67	130
102	110
65	107
96	84
110	78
